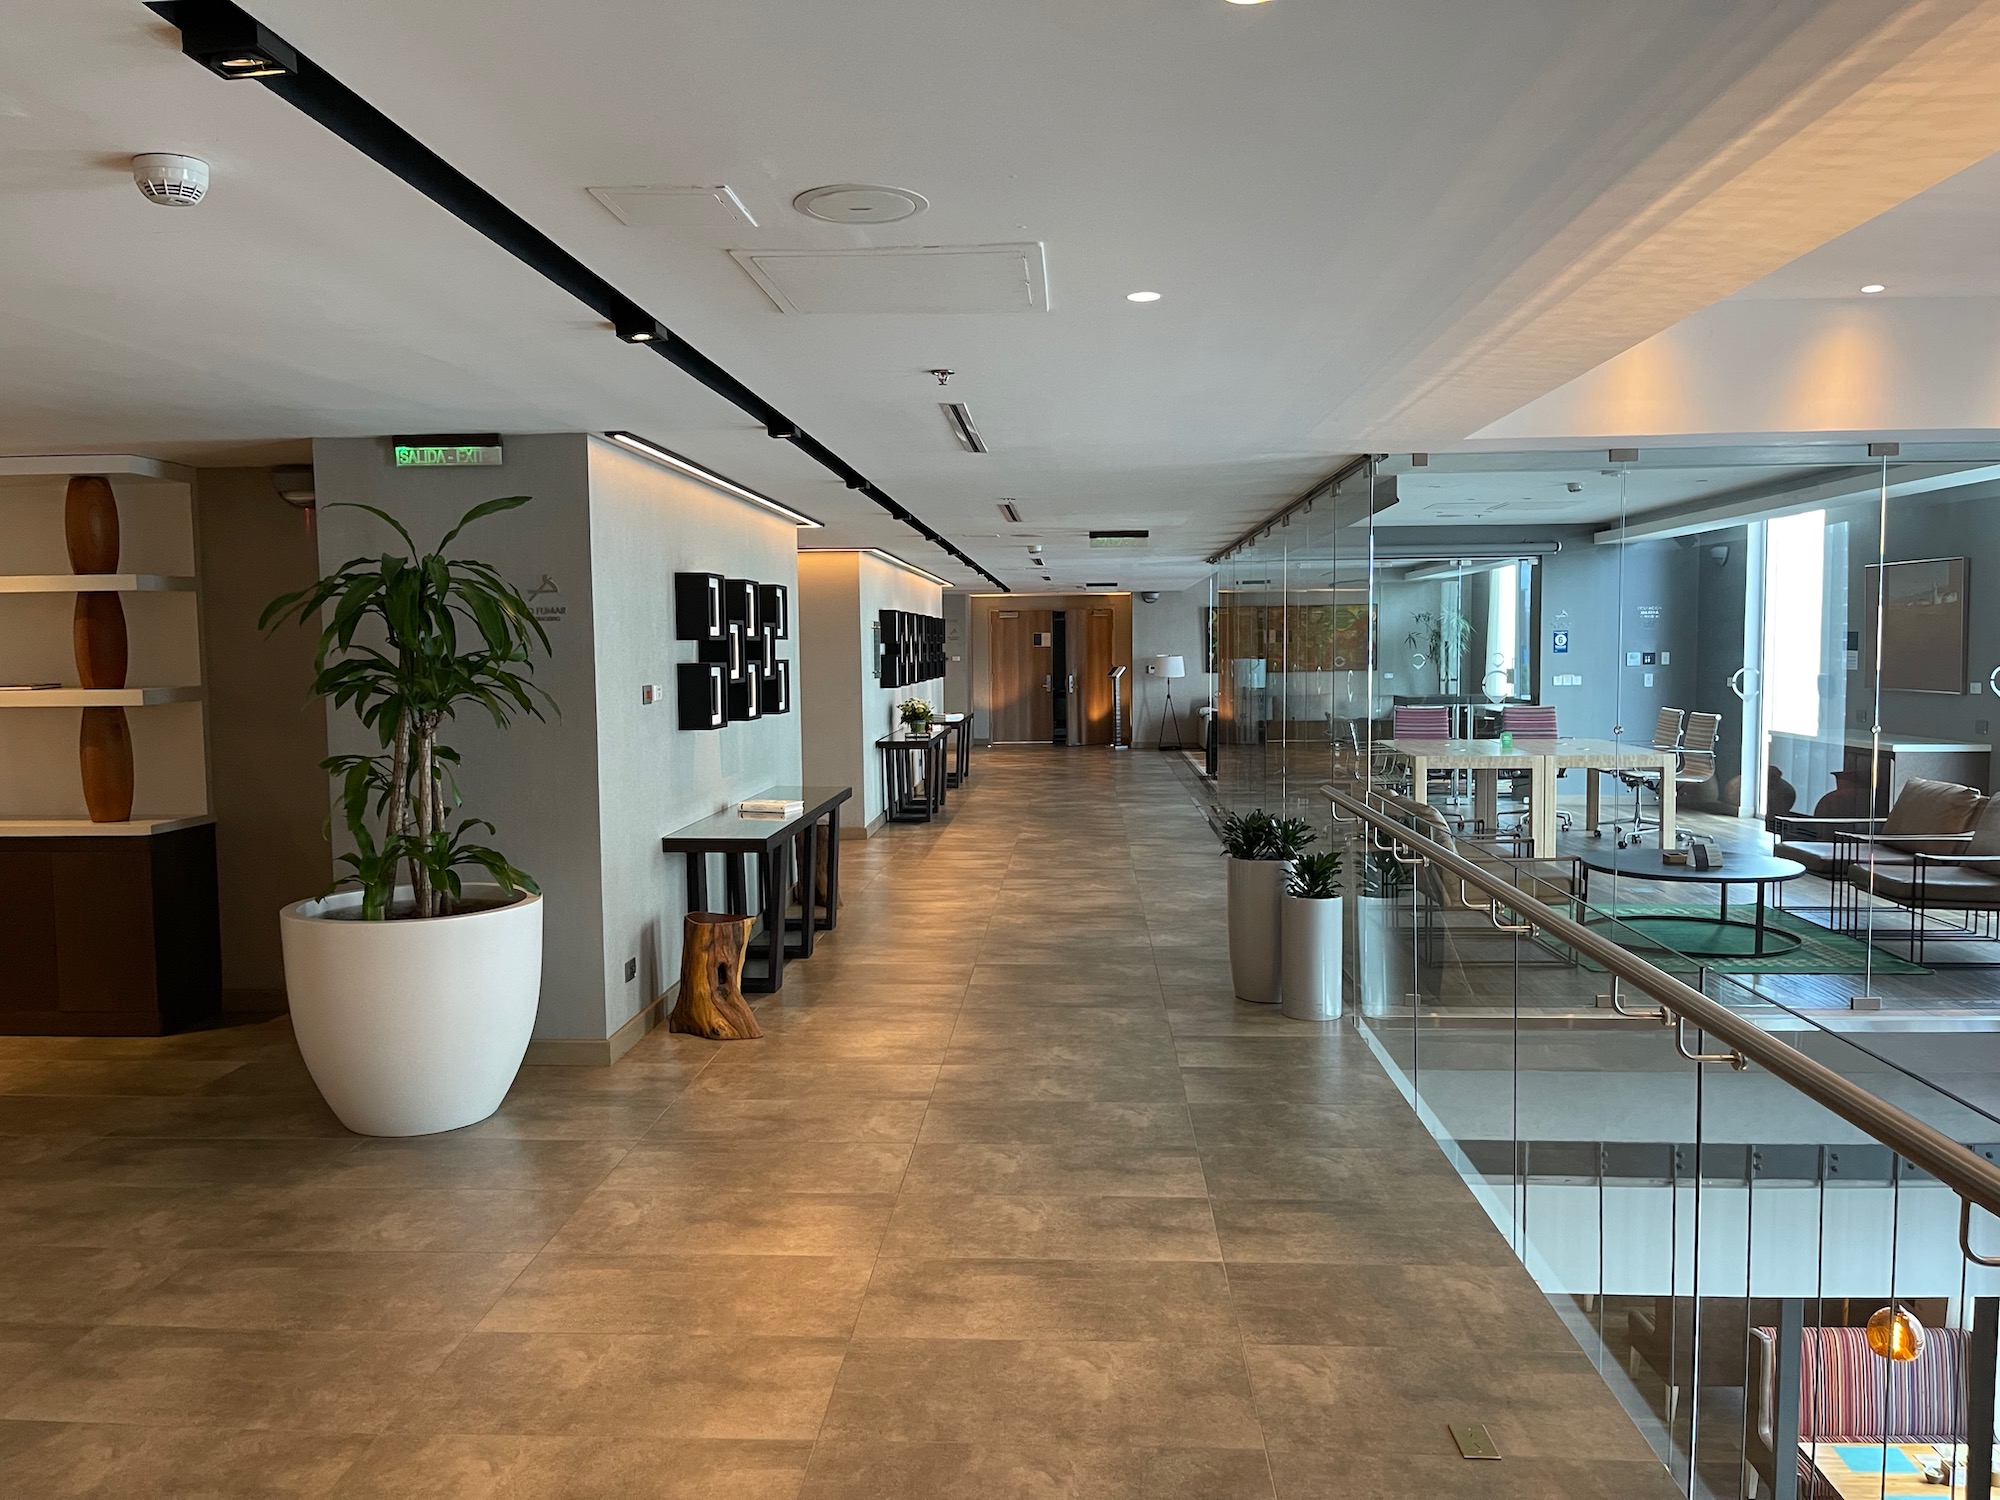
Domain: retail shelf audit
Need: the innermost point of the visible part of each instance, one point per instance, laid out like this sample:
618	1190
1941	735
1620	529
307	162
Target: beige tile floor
1013	1200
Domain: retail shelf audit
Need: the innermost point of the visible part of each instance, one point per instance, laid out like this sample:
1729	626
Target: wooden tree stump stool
711	1002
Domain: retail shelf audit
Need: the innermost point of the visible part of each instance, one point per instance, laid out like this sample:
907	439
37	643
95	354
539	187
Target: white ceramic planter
1254	886
413	1027
1309	979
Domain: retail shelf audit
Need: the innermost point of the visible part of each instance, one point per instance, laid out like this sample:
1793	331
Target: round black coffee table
1738	867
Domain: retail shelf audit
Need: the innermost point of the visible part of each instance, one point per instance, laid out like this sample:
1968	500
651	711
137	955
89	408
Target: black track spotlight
640	331
227	42
783	431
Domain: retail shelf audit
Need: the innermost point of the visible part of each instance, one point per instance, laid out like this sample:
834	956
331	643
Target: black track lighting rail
233	44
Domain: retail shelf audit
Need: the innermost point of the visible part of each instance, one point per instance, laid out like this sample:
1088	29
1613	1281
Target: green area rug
1668	927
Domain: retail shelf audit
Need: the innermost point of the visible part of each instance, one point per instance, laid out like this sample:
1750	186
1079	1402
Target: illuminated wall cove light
666	457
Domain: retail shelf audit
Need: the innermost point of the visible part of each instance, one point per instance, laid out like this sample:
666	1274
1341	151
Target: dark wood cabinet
109	936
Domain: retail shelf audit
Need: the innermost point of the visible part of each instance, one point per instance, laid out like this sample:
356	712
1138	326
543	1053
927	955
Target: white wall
646	524
1169	627
1751	365
537	782
844	705
581	801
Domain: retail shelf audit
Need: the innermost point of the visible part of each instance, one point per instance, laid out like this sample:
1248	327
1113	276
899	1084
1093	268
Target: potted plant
1381	950
413	1001
916	715
1258	850
1309	933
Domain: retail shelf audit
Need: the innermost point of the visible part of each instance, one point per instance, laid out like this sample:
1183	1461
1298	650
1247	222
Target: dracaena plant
410	641
1316	877
1258	835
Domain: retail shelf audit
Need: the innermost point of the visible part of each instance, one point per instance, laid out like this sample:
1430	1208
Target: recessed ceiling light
1246	2
1873	287
1155	296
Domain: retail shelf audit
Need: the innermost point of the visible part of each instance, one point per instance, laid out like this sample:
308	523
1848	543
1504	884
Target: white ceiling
1320	193
1940	243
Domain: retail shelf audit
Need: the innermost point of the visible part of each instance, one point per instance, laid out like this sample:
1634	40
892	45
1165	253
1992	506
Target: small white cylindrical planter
1310	940
411	1027
1254	885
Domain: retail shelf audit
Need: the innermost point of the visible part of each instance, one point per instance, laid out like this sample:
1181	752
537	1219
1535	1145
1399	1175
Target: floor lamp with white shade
1171	668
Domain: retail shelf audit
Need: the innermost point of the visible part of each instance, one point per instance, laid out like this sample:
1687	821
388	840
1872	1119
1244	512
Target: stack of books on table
769	807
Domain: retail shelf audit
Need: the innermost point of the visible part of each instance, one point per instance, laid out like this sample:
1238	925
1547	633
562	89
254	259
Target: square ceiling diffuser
903	279
675	207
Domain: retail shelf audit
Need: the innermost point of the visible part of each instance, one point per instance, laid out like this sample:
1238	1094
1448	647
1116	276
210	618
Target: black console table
771	839
960	769
913	774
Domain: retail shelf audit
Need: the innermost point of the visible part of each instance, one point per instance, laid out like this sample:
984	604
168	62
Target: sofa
1958	875
1933	816
1850	1394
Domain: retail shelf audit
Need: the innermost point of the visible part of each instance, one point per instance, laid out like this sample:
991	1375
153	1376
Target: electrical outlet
1649	679
631	969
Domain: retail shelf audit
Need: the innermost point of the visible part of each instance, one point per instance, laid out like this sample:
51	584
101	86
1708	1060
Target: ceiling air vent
1119	538
1011	511
1101	585
960	422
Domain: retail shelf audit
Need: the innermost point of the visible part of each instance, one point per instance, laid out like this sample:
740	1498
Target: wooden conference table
1542	760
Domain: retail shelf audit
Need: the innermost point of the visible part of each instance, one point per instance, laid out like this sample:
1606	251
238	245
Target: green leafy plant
1316	877
1250	835
1258	835
1442	635
915	712
1293	834
409	642
1381	875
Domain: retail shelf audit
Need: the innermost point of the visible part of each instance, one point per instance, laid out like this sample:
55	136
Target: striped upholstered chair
1849	1394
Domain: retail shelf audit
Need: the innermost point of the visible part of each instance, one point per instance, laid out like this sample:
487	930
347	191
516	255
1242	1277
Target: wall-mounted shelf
67	465
92	583
68	697
83	828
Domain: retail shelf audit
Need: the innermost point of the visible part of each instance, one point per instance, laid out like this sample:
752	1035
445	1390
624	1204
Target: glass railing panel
1715	1240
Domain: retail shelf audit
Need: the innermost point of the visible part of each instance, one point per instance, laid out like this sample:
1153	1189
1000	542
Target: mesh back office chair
1698	750
1666	736
1531	721
1424	723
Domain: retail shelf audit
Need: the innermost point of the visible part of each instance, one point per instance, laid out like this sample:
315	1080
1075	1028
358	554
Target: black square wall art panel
698	606
701	690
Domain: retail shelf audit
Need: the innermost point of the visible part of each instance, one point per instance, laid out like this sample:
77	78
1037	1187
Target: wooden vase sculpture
711	1002
97	631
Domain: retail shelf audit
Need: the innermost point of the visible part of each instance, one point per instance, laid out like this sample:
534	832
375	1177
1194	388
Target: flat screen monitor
1923	623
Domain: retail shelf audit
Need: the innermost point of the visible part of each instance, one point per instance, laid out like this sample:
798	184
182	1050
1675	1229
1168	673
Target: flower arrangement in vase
916	715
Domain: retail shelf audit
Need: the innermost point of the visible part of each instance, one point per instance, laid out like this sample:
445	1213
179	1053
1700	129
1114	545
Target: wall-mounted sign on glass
446	450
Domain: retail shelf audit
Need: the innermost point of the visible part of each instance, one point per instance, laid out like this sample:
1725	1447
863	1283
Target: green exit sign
447	450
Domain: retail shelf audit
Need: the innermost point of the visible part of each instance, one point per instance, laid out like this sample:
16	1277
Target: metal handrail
1968	1174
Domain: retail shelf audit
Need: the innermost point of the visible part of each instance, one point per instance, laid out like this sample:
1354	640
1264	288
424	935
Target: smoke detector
170	179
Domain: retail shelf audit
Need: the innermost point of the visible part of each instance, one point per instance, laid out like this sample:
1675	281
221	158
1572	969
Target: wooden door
1018	707
1100	655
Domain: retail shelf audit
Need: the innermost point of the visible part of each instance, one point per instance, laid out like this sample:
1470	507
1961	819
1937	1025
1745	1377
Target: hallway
1012	1200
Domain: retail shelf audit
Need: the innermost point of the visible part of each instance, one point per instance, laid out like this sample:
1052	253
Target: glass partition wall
1779	666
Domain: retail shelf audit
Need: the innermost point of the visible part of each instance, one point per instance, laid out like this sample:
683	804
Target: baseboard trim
583	1052
866	830
255	1002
